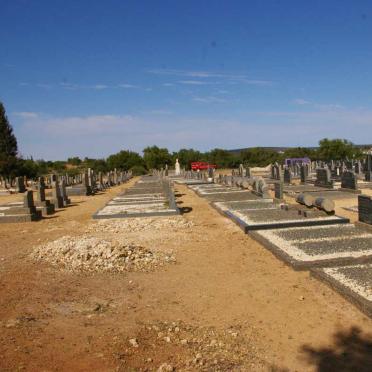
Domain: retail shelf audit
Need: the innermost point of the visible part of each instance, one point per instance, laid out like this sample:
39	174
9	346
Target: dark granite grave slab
318	246
231	196
295	189
263	219
246	205
353	282
334	195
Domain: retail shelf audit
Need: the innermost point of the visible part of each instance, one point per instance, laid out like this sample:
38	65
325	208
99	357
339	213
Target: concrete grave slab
263	219
143	199
316	246
353	282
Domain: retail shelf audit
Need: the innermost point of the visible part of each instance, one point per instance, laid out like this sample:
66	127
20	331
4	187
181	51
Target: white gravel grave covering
87	253
140	224
250	221
140	208
355	286
289	246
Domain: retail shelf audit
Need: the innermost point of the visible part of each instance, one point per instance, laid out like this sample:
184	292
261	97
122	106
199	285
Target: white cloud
193	82
127	86
26	114
48	137
100	86
161	112
320	106
209	99
234	78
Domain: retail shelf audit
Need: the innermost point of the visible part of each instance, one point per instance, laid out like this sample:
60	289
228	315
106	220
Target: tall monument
177	168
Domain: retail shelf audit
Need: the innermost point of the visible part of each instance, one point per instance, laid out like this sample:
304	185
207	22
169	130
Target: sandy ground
224	288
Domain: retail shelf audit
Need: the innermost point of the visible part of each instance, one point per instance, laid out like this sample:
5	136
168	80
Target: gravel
140	224
87	253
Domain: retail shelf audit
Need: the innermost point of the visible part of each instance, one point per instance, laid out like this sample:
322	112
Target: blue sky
89	78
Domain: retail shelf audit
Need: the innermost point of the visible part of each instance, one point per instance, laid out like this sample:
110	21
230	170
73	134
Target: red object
201	165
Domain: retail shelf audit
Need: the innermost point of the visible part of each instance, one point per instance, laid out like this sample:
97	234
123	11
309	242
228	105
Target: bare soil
226	304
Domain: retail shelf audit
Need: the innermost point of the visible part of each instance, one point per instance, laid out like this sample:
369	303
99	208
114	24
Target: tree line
154	157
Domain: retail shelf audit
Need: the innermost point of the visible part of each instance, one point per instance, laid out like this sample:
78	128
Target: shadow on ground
351	351
184	210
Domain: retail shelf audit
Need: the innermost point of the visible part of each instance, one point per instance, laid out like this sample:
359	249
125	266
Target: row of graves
43	197
152	195
306	235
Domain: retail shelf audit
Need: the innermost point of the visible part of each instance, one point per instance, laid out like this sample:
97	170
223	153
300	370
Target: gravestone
20	184
368	174
28	199
45	206
349	181
57	199
66	200
303	173
323	178
278	190
177	168
365	209
287	175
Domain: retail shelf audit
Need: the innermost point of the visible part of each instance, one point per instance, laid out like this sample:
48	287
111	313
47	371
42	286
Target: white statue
178	168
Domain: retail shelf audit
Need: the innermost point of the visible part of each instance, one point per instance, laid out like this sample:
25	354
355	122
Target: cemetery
309	217
185	186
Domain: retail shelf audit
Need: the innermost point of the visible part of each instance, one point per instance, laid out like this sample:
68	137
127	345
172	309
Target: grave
278	190
41	203
353	282
20	184
323	178
20	212
365	209
263	219
287	176
349	182
304	170
151	196
312	246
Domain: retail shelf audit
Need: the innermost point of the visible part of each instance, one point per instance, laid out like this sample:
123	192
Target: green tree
222	158
337	149
187	156
74	161
299	152
259	157
8	145
156	158
125	160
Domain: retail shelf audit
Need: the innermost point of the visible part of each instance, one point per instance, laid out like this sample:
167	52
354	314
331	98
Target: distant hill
282	149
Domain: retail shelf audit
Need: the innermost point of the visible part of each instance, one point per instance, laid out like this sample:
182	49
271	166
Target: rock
133	342
165	367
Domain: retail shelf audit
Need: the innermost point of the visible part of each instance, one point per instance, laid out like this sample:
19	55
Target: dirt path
261	312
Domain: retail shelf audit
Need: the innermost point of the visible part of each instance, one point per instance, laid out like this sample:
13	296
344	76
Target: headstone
287	176
278	190
57	199
323	178
177	168
20	184
368	174
303	173
365	209
66	200
349	181
28	199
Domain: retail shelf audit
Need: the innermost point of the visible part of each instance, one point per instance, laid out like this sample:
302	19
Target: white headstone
178	168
